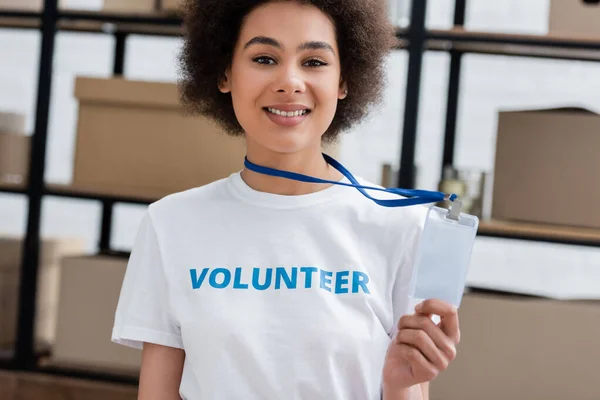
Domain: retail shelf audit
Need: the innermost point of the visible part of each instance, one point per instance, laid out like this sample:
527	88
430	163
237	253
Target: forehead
289	20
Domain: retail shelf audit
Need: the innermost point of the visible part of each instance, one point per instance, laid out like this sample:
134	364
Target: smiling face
285	78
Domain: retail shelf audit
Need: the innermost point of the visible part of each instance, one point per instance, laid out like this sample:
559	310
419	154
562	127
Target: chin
288	142
287	148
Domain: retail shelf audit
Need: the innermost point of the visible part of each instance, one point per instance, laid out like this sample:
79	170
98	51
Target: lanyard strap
413	197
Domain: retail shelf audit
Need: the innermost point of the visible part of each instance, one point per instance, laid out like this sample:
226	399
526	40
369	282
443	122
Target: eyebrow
312	45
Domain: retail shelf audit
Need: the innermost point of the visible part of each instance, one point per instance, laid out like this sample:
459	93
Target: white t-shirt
272	297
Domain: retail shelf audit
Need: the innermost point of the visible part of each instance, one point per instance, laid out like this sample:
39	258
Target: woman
260	287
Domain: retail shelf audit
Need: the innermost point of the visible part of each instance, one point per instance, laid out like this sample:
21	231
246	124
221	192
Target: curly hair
364	33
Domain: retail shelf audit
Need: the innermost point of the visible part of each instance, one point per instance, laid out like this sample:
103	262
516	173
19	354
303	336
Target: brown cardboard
171	5
14	158
22	5
51	253
9	296
574	18
12	122
90	289
545	167
129	5
522	348
133	138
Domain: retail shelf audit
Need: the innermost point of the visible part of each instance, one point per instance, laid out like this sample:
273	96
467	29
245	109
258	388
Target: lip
289	107
286	121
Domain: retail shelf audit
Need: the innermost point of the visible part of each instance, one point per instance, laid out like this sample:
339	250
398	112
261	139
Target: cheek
246	83
245	91
327	95
327	86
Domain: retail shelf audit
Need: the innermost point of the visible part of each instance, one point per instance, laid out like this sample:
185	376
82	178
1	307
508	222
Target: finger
421	368
422	342
424	323
447	313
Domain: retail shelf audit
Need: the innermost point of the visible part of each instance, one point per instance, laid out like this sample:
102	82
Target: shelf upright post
108	205
453	91
24	357
416	47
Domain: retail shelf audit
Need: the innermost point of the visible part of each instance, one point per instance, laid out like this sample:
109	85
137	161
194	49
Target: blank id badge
443	257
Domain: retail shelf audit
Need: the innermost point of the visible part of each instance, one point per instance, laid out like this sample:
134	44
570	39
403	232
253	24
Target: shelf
69	191
541	46
19	23
515	51
150	18
13	188
155	23
48	367
540	232
550	40
95	27
129	28
92	194
20	14
38	384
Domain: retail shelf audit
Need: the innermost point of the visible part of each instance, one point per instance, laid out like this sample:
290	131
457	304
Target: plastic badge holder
444	256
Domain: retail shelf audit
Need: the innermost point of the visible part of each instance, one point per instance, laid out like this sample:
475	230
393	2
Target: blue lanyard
413	197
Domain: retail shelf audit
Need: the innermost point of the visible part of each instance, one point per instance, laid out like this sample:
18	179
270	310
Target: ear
225	82
343	92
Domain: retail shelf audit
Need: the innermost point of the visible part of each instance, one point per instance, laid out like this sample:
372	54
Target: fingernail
419	307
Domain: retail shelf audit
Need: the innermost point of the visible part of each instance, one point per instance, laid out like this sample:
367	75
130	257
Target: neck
306	163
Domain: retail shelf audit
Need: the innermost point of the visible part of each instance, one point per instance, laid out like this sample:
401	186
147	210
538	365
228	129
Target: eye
264	60
315	63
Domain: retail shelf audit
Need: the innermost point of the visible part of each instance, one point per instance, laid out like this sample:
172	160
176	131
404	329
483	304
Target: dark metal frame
416	38
419	40
24	351
109	205
453	89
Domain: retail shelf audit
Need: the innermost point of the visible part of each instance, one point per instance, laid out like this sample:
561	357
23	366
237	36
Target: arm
425	390
417	392
161	371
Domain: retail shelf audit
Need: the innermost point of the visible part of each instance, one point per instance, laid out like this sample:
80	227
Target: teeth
287	113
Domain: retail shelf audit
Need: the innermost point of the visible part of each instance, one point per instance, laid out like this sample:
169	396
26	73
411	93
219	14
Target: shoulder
179	204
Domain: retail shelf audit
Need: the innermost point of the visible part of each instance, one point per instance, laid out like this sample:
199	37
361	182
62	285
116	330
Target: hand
422	349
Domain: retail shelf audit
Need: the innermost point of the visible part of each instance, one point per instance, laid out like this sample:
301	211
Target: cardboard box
29	386
134	140
51	253
171	5
12	123
9	299
129	6
522	348
90	289
29	5
546	167
14	158
22	5
574	18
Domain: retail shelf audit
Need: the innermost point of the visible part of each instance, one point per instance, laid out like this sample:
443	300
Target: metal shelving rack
416	40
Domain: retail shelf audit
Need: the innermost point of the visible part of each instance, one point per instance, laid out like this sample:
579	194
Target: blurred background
495	100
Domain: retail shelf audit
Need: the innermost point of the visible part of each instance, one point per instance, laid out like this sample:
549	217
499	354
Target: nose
289	80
